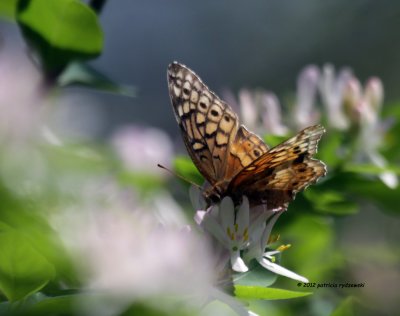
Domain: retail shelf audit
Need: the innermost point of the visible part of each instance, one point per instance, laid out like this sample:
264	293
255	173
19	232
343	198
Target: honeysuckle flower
363	107
331	89
248	109
243	232
266	219
305	113
20	97
142	148
230	232
123	250
260	111
271	114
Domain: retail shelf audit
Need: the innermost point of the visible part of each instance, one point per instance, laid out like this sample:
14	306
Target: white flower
142	148
21	97
271	114
331	90
305	113
261	112
240	230
248	110
363	106
231	232
123	250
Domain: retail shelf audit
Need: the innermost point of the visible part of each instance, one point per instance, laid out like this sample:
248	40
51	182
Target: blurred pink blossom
20	97
261	112
271	114
305	113
123	250
142	148
331	88
363	107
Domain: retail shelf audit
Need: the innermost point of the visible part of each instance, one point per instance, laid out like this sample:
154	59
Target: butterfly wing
276	176
217	145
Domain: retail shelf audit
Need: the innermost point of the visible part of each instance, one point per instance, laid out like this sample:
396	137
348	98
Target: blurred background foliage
85	102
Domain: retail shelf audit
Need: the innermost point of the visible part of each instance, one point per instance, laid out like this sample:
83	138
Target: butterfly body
235	161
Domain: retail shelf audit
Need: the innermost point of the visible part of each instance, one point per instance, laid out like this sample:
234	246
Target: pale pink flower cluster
345	102
142	148
123	249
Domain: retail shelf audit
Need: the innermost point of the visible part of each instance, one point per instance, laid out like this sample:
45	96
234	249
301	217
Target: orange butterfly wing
233	160
284	170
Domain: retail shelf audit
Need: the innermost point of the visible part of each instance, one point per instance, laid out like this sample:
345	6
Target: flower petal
242	217
196	198
276	268
199	217
211	224
248	109
237	263
270	224
227	212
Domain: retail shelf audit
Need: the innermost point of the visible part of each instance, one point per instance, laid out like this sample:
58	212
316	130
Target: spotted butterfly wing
276	177
218	146
235	161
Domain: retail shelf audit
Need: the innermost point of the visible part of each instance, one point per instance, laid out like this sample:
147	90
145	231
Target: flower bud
374	93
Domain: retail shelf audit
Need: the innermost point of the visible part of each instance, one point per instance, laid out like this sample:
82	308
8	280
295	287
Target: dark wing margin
276	177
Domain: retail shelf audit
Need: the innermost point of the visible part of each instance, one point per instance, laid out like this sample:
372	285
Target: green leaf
345	308
84	75
266	293
144	182
312	239
7	8
332	202
361	187
256	276
20	217
186	168
23	270
328	148
370	169
61	31
273	140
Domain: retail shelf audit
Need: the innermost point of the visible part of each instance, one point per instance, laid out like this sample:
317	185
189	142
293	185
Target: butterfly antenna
179	176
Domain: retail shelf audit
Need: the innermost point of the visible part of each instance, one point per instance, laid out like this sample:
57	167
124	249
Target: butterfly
234	161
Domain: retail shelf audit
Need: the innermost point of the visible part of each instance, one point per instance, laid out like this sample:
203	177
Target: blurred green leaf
61	31
23	270
185	167
370	169
358	186
273	140
85	75
345	308
7	8
266	293
331	202
61	305
313	253
256	276
144	182
328	148
25	221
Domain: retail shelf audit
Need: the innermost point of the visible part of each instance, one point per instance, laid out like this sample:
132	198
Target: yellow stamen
273	238
283	247
246	234
236	227
230	234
